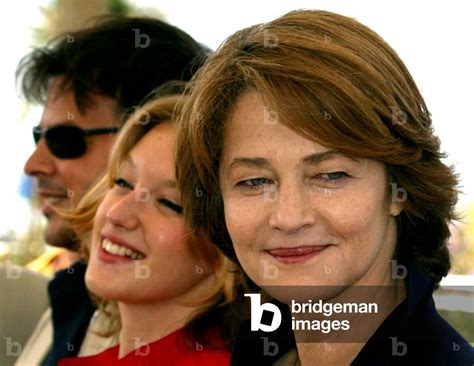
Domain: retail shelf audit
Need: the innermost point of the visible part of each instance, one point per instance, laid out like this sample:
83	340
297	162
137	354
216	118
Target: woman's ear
396	208
396	195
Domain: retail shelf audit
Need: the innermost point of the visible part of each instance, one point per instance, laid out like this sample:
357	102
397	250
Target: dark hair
309	65
118	57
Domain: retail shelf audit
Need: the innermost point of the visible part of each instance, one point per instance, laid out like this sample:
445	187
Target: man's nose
40	162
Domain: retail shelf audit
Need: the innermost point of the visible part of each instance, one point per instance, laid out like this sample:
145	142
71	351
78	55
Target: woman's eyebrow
316	158
128	160
254	162
312	159
258	162
168	183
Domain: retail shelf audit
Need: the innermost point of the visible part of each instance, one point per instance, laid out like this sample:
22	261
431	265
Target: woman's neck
144	323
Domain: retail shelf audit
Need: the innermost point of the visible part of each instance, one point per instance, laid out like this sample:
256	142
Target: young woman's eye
174	206
254	183
120	182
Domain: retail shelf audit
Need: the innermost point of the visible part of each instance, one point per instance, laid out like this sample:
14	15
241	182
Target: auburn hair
334	81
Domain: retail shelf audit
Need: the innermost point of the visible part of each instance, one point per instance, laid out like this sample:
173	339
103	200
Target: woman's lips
296	254
110	258
114	250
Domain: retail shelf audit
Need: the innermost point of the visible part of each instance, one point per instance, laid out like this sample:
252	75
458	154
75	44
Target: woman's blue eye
334	176
120	182
174	206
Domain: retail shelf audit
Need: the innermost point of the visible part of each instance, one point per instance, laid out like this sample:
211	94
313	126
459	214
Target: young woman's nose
123	212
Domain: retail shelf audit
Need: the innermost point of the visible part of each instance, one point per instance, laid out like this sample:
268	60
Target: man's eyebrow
51	123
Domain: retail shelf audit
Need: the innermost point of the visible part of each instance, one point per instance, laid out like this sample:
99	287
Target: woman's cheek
239	223
352	214
172	236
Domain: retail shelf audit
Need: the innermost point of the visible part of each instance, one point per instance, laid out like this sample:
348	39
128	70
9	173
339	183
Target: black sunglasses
68	141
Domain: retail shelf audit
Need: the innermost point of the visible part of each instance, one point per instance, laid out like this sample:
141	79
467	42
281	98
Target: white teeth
119	250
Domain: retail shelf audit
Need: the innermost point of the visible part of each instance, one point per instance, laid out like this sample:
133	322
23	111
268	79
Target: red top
171	350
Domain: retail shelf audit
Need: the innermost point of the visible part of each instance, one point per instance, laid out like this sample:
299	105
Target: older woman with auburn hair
307	153
163	293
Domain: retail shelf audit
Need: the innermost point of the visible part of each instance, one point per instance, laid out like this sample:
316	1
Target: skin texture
63	182
275	197
137	211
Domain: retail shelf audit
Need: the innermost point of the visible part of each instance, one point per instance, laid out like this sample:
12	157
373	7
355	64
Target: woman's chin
106	291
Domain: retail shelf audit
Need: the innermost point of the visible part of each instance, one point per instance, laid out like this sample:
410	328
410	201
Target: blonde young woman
320	174
171	289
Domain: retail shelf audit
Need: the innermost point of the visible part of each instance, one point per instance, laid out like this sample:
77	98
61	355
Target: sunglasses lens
65	142
36	134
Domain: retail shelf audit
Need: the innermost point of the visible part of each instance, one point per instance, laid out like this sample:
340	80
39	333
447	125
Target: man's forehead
61	108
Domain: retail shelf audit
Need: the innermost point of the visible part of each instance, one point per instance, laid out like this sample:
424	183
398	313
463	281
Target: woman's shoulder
211	352
446	345
105	358
419	337
170	350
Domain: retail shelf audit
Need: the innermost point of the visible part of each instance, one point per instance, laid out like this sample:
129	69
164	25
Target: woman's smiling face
141	248
299	213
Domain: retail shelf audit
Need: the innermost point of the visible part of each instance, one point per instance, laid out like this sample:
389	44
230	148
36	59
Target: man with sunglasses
89	81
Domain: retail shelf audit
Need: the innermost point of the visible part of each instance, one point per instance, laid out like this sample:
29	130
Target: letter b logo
256	312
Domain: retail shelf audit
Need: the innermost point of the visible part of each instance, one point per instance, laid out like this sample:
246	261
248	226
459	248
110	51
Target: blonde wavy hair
211	310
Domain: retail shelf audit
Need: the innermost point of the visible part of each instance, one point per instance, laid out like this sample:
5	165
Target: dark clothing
413	334
72	310
261	348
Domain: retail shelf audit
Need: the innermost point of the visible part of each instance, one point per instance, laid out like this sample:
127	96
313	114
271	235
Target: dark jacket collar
415	323
72	310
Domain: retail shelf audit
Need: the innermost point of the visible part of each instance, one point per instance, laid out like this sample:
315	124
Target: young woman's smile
139	233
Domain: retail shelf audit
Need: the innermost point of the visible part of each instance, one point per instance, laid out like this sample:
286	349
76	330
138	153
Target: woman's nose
292	209
123	212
